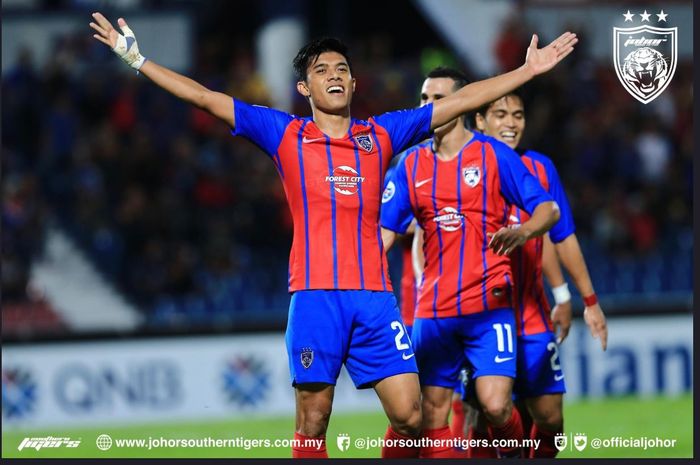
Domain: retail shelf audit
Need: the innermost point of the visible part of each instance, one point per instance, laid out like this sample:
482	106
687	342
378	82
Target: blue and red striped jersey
532	312
333	188
457	203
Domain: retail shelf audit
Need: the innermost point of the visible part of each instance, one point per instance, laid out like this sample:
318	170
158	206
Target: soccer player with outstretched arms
332	166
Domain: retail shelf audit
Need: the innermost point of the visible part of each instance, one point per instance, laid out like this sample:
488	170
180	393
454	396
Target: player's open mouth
509	135
335	90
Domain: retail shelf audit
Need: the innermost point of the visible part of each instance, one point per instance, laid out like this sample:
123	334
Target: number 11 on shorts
500	339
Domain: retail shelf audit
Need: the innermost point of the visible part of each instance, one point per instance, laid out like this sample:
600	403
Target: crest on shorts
560	441
645	59
307	357
472	175
365	141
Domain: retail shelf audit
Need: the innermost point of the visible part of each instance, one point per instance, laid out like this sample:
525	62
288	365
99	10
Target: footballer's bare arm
216	103
473	96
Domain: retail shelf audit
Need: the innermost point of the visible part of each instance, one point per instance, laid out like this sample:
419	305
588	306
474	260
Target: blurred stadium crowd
191	223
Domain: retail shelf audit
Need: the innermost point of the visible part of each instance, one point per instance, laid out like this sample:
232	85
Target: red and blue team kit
467	290
342	309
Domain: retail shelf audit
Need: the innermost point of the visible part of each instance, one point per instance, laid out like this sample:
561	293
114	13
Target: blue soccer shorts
485	342
361	329
539	366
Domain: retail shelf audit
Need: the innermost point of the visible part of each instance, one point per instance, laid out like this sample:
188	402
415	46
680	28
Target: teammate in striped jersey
459	186
332	166
539	383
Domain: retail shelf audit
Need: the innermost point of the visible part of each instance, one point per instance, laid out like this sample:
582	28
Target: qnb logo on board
346	180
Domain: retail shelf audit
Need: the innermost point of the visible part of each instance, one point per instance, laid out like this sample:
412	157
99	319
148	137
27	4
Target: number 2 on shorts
396	325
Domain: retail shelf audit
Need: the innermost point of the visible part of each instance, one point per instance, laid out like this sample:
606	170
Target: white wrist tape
561	294
128	49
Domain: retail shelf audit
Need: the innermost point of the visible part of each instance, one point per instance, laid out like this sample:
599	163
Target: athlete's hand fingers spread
107	34
103	22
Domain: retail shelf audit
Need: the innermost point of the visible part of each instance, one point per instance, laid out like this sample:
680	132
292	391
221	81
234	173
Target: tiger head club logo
472	175
364	141
307	357
645	56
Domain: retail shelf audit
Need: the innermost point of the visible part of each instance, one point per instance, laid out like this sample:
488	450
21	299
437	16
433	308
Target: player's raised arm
126	47
472	96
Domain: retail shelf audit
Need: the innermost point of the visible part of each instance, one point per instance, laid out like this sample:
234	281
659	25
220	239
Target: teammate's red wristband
590	300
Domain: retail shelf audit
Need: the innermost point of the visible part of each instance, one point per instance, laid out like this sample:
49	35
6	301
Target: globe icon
104	442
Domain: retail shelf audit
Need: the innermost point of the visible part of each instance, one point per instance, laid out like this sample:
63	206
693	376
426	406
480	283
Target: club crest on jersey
472	175
645	59
307	357
365	141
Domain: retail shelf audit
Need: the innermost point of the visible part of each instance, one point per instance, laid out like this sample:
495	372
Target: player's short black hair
310	52
482	110
456	75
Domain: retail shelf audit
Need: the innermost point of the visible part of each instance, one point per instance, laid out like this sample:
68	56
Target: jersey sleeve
518	185
406	127
261	125
396	213
565	226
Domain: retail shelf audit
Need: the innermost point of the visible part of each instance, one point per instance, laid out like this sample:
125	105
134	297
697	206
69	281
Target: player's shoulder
422	147
539	157
535	155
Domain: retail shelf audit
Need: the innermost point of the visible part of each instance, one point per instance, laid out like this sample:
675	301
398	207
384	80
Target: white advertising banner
140	381
227	377
645	356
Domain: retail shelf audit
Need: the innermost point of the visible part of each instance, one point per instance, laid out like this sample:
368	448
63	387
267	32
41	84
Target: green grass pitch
668	418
